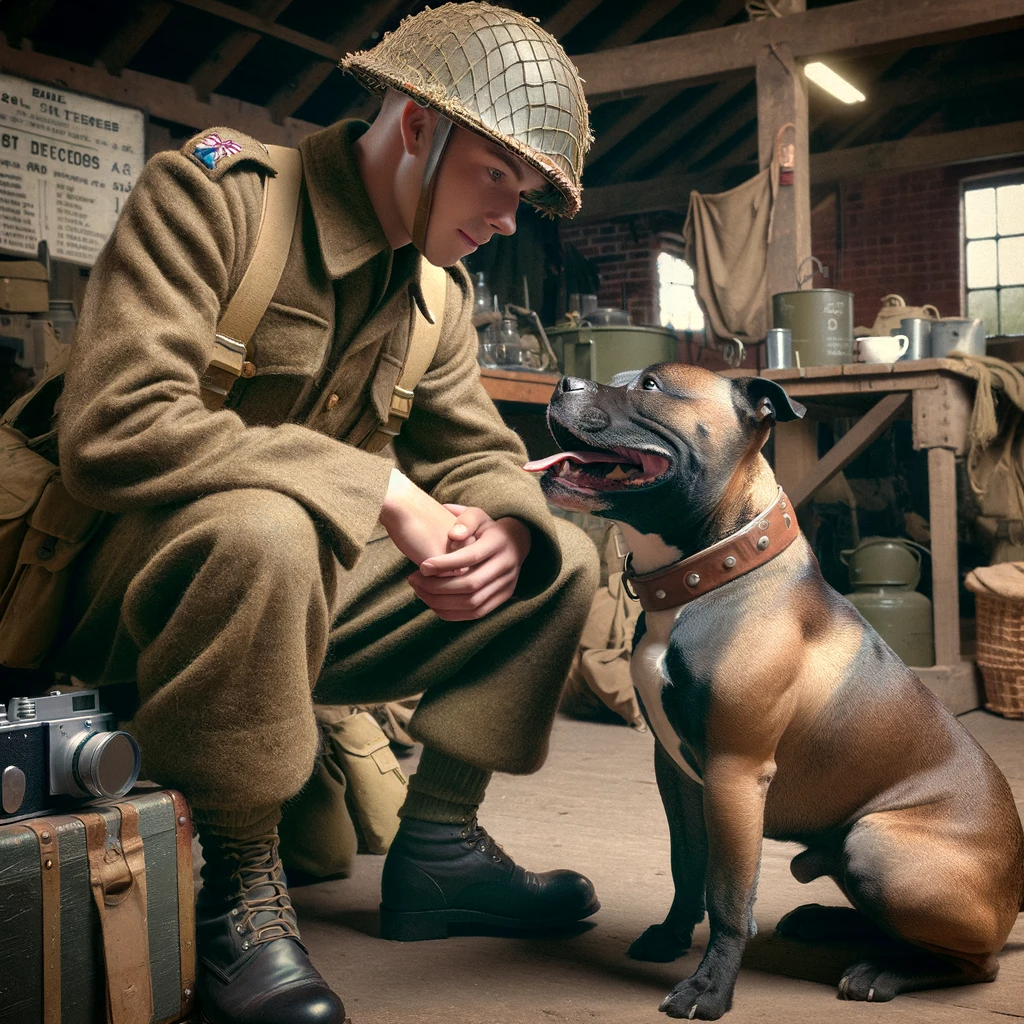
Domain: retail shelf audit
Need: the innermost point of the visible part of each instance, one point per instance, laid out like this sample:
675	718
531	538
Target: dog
778	711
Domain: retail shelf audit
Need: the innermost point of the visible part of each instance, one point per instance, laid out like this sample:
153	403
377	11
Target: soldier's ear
765	398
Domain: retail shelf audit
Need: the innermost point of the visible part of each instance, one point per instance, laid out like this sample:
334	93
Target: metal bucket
821	320
955	334
598	353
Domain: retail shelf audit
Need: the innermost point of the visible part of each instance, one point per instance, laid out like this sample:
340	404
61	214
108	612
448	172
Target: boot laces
476	835
264	891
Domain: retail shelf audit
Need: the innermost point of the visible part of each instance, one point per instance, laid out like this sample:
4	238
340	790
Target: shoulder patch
217	150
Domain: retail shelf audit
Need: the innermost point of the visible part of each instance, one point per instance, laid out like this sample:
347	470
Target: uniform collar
346	223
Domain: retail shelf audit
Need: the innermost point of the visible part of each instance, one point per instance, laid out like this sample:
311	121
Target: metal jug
884	572
821	320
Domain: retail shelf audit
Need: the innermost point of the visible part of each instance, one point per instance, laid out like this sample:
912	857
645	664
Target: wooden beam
678	127
629	197
644	17
263	26
568	16
870	426
233	50
858	26
290	97
18	18
782	121
172	101
945	573
960	147
656	100
133	35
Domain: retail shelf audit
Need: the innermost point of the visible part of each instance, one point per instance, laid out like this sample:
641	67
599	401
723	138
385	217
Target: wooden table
933	393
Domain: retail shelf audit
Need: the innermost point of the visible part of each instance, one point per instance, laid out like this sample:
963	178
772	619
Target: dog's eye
649	384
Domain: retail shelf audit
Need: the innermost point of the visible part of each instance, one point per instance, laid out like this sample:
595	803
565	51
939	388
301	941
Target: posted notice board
67	164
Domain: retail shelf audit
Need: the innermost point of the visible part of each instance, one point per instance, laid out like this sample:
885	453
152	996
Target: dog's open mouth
602	470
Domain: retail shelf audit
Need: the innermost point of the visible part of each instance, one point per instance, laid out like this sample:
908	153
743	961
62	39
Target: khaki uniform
245	566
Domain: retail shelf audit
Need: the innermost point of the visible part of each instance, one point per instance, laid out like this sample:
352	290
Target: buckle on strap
627	575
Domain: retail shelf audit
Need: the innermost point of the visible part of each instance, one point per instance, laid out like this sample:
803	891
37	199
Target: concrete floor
595	807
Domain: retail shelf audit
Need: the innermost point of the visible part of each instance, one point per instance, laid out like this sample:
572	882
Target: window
677	301
994	253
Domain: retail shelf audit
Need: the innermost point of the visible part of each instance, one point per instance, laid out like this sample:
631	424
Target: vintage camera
61	747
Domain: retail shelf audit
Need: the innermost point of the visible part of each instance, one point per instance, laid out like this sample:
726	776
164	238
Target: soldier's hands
480	571
417	523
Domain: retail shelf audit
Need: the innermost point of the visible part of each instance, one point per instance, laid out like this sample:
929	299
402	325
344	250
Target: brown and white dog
778	710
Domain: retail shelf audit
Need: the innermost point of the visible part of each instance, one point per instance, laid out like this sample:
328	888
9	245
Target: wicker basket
1001	653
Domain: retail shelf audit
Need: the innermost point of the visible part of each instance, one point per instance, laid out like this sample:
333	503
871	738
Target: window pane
981	264
984	305
980	213
1011	260
676	298
1011	311
1010	201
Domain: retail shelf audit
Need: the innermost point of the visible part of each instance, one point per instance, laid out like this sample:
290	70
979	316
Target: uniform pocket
290	341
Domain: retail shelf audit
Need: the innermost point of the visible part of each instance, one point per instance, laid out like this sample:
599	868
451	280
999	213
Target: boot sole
415	926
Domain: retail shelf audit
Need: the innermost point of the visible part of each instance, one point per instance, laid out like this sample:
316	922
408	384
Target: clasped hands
468	563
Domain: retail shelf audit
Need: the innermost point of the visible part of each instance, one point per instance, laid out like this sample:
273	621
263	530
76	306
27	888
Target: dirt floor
595	807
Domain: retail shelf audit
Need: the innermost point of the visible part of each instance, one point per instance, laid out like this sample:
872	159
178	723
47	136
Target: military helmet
495	72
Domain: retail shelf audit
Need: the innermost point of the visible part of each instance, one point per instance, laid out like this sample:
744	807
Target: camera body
61	747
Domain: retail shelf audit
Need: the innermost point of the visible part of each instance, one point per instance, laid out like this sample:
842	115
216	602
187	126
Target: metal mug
918	332
779	348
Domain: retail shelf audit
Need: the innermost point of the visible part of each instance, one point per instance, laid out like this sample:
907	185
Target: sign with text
67	164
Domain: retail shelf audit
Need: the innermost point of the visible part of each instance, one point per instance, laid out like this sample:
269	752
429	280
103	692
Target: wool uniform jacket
133	429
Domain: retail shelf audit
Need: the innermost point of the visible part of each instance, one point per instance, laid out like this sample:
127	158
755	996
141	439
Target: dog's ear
766	398
624	379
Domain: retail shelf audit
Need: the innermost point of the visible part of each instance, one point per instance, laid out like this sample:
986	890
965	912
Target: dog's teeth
617	474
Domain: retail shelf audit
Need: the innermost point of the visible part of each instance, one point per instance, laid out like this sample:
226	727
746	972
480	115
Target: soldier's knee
261	531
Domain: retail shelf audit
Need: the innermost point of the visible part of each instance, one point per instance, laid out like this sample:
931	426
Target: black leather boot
438	875
253	969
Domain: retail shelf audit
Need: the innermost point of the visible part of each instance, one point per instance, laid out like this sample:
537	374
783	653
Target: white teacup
882	348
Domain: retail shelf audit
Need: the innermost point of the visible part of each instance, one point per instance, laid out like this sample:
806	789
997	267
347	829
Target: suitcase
97	914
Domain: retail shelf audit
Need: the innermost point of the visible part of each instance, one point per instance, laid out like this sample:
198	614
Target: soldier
257	555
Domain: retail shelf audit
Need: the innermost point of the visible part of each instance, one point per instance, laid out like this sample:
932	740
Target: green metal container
598	353
821	320
884	572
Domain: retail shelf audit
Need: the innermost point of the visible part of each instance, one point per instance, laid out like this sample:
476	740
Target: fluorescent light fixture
823	75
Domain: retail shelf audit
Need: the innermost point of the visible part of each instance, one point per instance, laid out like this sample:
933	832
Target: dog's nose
567	384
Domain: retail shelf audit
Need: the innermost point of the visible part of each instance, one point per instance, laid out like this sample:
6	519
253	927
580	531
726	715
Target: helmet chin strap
419	228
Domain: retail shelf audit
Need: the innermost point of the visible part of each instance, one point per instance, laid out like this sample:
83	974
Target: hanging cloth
727	237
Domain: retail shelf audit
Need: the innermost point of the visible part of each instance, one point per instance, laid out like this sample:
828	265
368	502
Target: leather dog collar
758	542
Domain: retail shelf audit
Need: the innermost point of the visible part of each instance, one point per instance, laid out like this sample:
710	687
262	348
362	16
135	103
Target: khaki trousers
229	614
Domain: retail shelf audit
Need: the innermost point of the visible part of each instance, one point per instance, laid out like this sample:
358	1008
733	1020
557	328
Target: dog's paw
869	982
660	944
698	998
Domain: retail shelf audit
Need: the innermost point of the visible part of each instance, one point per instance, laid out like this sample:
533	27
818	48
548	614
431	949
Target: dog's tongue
540	465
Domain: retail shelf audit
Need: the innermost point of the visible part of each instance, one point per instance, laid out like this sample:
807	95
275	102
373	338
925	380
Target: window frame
993	179
675	246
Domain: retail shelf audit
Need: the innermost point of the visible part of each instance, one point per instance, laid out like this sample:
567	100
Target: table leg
945	579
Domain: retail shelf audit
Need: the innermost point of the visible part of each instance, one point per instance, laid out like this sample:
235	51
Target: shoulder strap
423	341
231	357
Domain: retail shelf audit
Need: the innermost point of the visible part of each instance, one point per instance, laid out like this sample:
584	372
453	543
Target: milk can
884	572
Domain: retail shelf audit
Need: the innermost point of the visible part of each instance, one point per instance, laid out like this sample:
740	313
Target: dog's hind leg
683	802
934	892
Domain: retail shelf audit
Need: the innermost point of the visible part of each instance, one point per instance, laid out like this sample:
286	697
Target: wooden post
782	99
945	579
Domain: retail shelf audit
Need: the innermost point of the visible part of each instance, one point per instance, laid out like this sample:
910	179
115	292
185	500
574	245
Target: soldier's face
478	191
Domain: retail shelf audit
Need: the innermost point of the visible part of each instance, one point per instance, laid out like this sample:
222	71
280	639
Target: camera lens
107	764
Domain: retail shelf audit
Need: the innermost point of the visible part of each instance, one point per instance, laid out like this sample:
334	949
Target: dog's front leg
734	794
682	799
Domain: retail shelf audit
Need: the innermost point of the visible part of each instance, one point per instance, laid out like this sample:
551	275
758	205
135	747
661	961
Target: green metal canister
598	353
821	321
884	572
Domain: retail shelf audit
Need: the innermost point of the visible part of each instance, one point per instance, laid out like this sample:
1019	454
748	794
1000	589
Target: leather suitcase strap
117	871
186	901
49	869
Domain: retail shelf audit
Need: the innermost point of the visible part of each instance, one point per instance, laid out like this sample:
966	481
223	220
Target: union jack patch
213	148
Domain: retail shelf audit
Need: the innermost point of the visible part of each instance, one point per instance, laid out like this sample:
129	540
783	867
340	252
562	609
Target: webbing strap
49	870
117	873
232	356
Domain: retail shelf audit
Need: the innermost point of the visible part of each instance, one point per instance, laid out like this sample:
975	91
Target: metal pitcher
954	334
